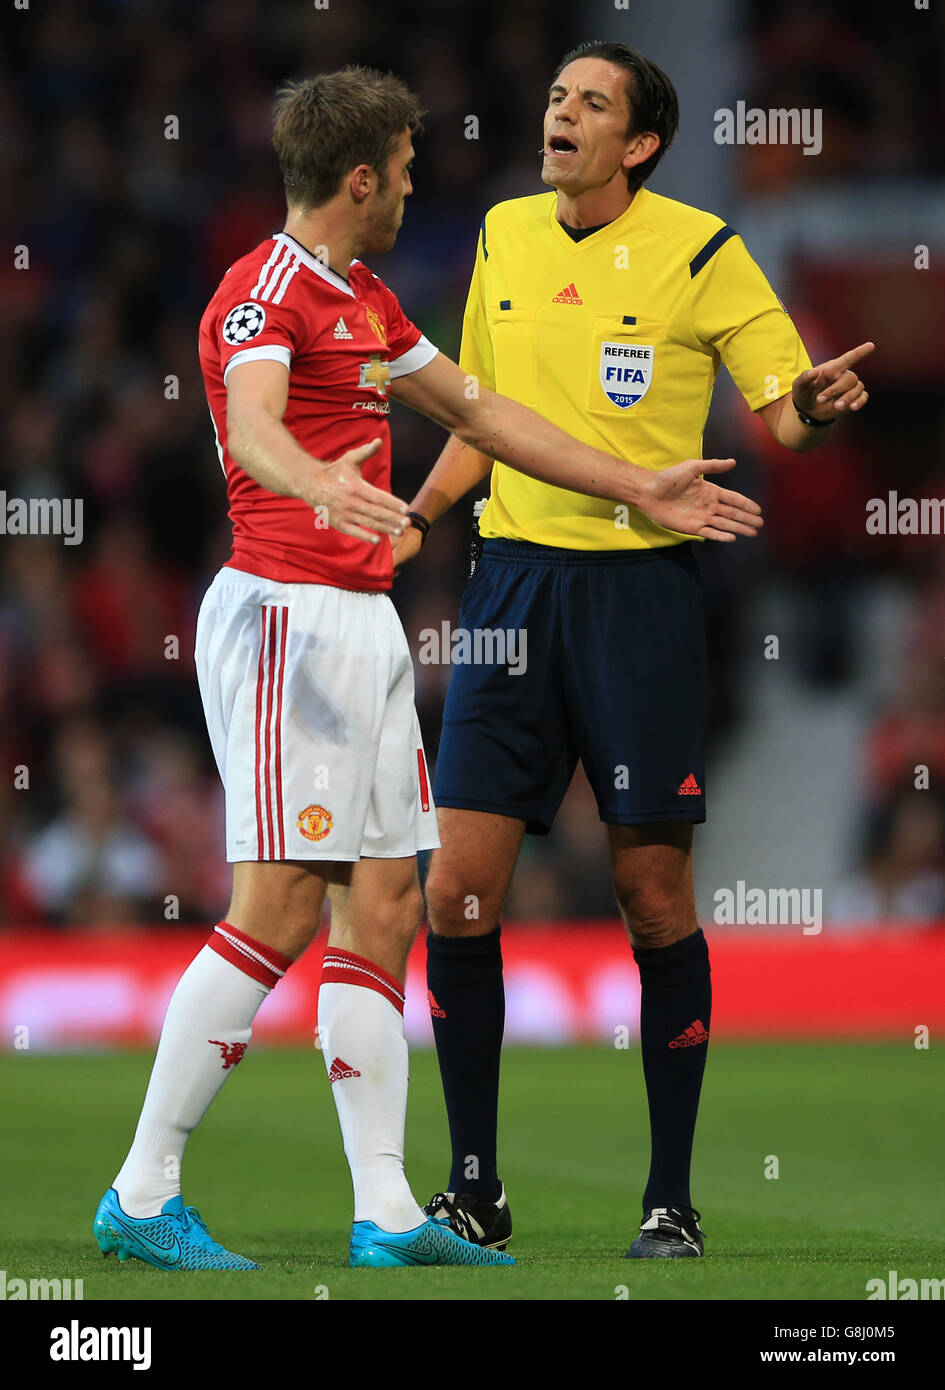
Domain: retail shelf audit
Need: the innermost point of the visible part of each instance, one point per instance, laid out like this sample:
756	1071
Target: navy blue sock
676	1000
467	1004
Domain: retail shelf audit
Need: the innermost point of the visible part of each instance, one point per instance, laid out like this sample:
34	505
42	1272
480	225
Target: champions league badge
626	370
244	322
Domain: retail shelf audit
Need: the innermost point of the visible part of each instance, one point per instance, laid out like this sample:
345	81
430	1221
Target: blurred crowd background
813	777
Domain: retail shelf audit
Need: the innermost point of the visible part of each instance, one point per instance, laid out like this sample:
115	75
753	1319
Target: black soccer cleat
488	1224
667	1233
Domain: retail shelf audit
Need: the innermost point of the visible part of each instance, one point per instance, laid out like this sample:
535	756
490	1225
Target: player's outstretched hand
681	499
350	505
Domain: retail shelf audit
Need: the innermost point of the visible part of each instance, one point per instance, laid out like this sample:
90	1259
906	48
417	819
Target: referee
608	309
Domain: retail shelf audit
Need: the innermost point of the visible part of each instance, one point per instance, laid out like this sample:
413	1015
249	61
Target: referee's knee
454	908
656	916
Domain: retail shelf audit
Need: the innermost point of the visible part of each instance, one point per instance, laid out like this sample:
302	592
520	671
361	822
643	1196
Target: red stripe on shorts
424	785
282	641
259	686
269	692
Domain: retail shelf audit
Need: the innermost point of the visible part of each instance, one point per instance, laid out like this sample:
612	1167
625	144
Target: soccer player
305	673
608	309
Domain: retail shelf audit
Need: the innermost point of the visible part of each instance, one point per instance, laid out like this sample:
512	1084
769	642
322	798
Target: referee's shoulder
693	232
519	212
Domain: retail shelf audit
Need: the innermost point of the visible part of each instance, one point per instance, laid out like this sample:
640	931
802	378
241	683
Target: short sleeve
251	330
409	349
475	353
739	314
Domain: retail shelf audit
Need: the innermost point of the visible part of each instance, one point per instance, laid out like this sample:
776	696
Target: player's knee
400	915
278	903
412	910
454	908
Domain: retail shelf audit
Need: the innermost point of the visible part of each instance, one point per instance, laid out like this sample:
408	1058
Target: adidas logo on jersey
690	787
342	330
693	1035
341	1071
568	295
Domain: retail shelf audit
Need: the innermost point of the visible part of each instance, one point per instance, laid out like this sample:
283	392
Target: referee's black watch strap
421	523
806	419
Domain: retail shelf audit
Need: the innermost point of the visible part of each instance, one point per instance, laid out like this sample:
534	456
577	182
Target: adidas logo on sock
568	295
341	1071
690	787
435	1010
341	330
693	1035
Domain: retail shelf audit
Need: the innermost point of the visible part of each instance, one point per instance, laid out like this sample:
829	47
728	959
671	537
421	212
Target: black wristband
421	523
806	419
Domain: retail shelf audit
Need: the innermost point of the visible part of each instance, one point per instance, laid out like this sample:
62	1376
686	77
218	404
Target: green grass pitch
856	1130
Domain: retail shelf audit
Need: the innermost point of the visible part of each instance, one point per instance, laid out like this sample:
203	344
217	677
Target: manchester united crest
314	822
377	325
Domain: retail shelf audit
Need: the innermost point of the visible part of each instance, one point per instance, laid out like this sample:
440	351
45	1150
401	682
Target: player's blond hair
327	125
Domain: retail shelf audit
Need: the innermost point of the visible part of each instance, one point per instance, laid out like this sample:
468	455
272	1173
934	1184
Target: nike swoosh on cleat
172	1251
421	1252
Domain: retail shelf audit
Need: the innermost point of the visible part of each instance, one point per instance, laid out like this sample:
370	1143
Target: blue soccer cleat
177	1239
433	1243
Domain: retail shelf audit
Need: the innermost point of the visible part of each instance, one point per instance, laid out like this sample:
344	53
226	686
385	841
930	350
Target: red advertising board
564	983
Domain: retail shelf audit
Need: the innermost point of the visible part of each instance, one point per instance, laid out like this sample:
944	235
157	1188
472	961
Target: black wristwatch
421	523
806	419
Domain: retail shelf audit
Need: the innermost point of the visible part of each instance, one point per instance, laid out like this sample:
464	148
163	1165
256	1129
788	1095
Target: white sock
207	1028
361	1033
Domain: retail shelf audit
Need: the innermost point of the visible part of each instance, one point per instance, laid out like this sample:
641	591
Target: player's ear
361	182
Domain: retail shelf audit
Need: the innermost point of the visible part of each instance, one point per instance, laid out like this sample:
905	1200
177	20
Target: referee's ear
641	148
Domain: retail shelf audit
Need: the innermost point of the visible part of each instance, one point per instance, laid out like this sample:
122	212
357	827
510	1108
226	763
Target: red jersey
342	341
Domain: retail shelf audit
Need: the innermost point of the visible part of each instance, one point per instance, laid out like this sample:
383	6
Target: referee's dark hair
652	97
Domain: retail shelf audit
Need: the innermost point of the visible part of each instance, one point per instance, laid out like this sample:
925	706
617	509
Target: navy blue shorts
612	672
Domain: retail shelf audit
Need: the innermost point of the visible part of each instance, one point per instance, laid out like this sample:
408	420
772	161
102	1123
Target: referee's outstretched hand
681	499
832	387
350	505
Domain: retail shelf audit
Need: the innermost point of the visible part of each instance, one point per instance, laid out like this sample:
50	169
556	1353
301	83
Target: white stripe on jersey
254	293
313	263
269	352
293	270
422	353
275	274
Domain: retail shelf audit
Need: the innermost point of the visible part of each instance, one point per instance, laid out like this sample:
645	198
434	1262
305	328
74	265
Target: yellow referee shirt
617	338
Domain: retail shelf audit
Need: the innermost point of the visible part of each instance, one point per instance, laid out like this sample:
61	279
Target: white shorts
308	694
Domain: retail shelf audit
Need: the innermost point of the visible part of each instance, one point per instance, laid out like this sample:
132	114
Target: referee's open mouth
561	146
